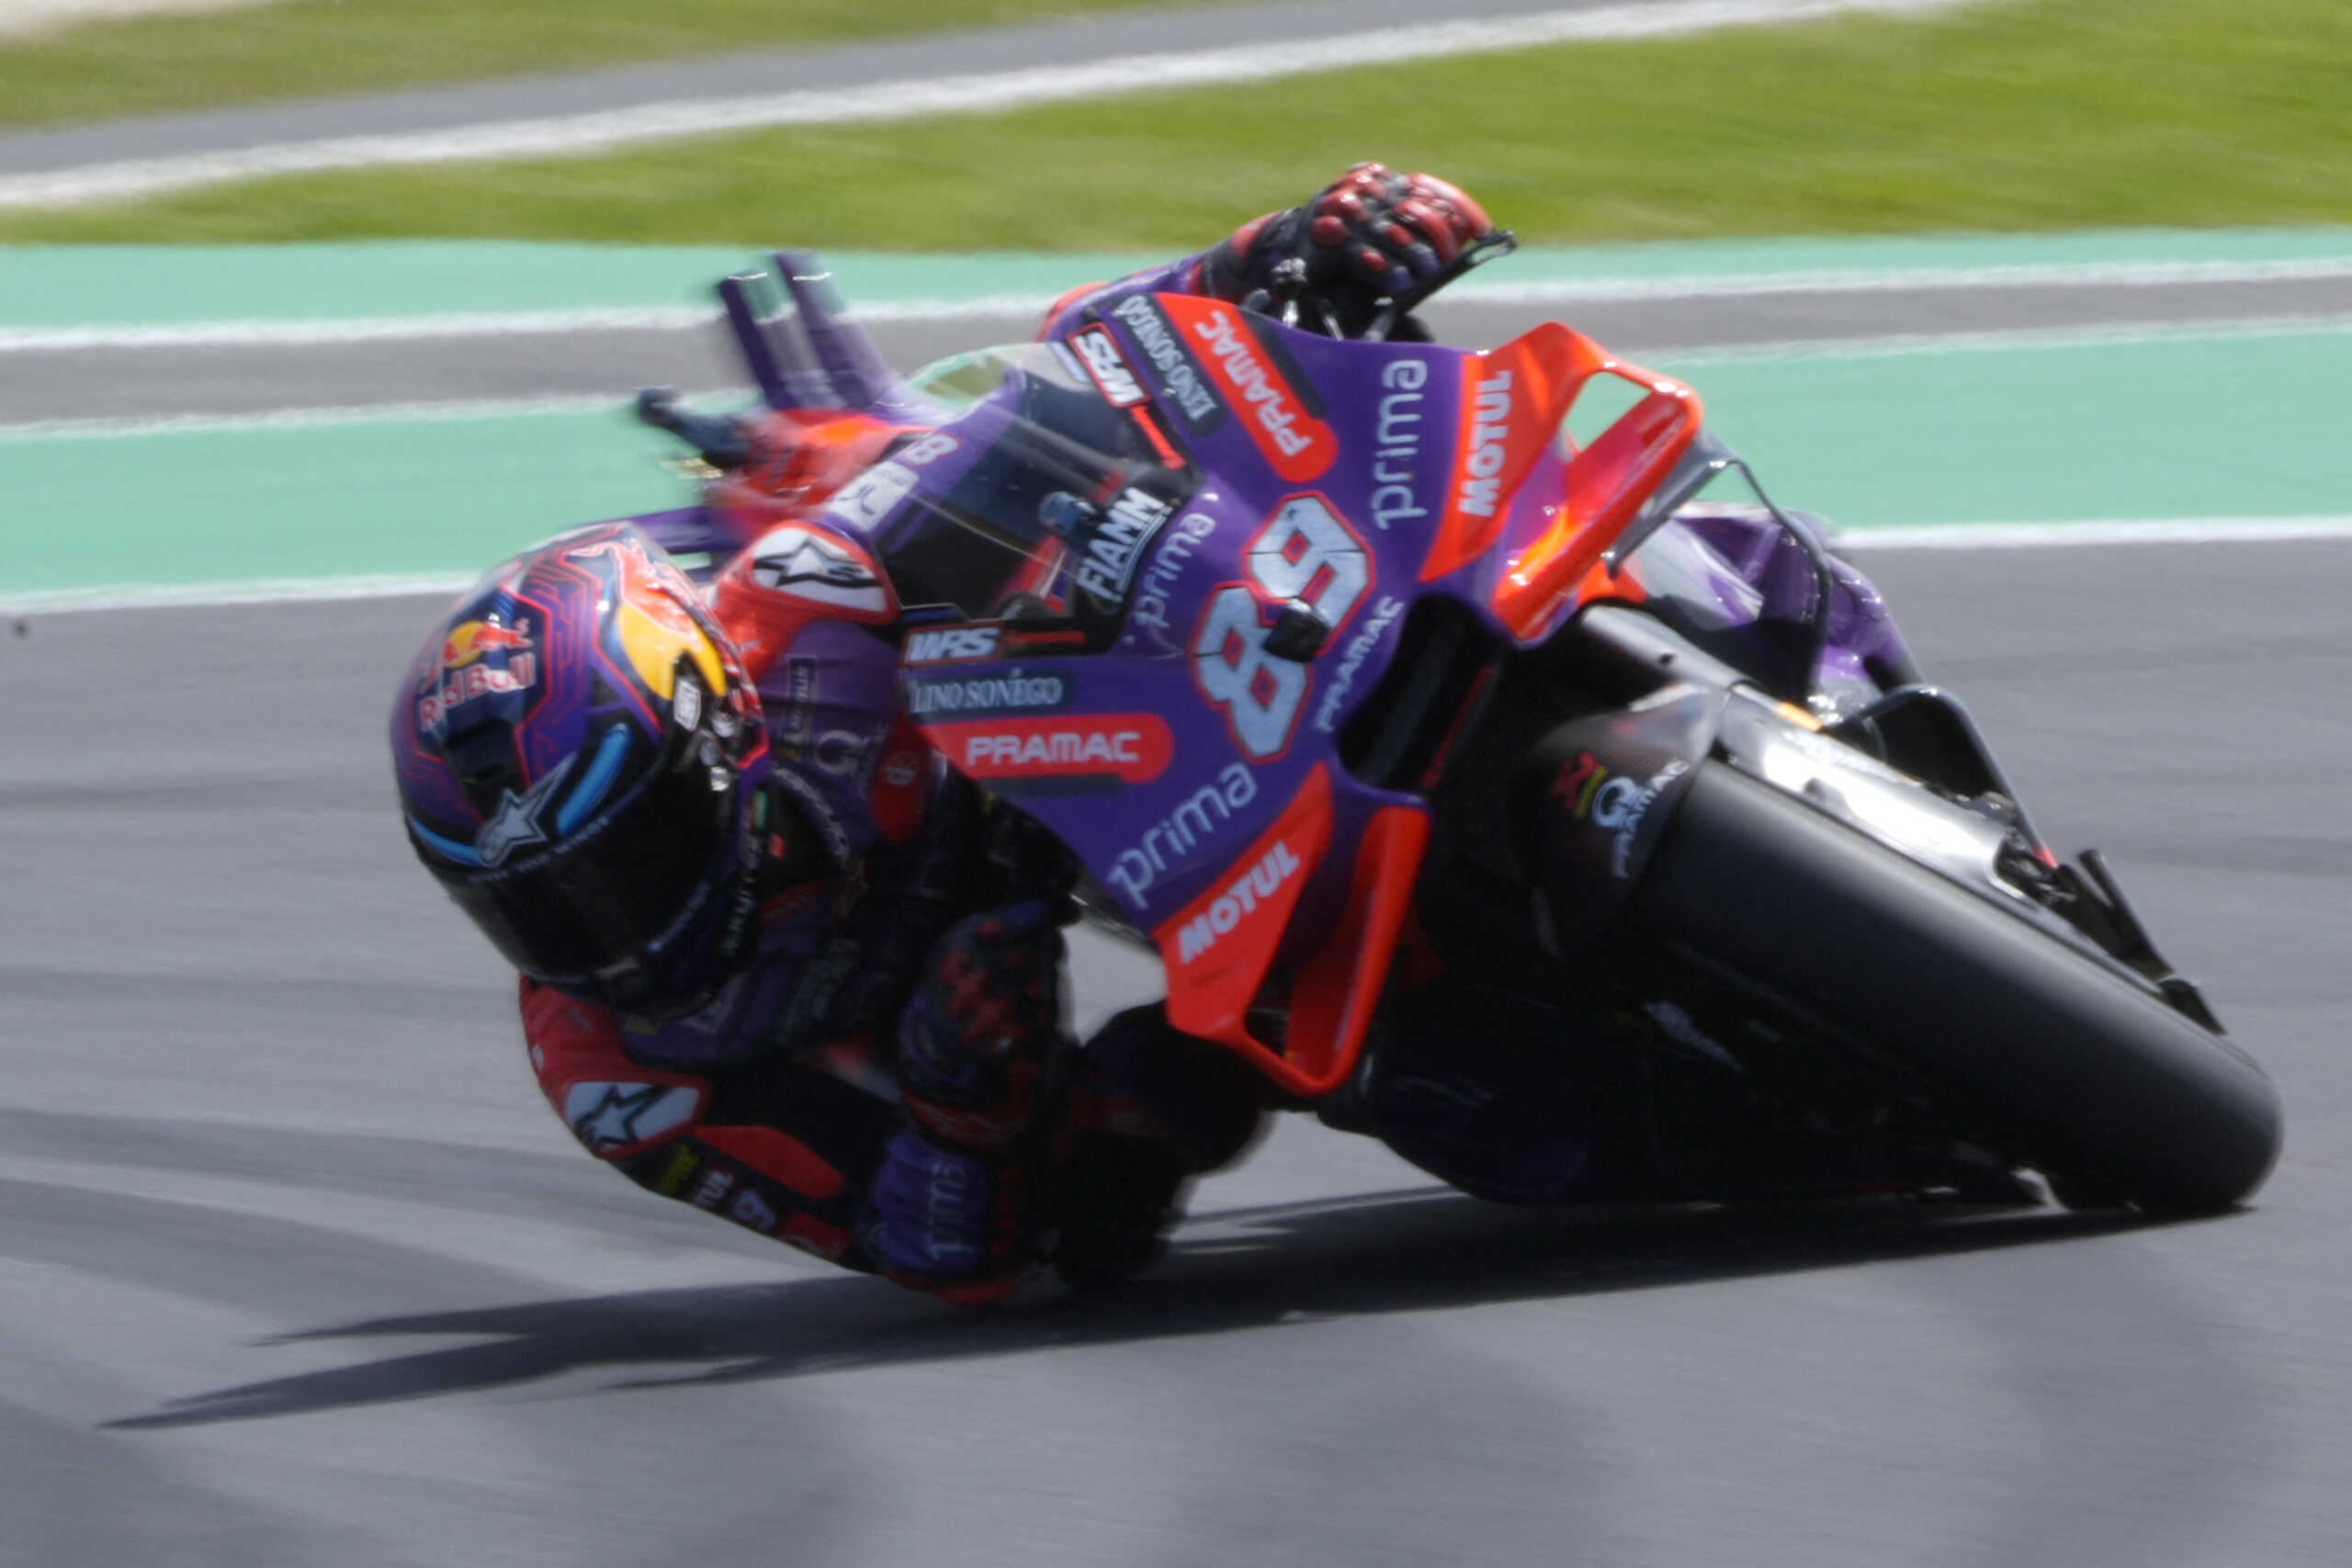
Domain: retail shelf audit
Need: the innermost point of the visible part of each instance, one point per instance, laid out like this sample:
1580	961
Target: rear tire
2047	1053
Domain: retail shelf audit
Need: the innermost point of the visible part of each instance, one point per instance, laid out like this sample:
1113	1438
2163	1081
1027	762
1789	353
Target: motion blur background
310	307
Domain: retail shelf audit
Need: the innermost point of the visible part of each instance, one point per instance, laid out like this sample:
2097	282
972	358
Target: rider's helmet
580	758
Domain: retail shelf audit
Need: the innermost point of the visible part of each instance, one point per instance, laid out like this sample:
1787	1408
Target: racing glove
1370	235
979	1045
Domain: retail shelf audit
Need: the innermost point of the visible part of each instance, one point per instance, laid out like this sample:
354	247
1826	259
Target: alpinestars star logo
800	560
612	1122
516	821
793	555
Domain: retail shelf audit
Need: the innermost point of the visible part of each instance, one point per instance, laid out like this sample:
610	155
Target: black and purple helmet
580	759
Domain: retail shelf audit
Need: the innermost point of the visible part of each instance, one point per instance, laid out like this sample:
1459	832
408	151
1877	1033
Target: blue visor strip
606	766
464	855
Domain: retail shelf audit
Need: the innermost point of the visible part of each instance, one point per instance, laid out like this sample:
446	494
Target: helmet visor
633	879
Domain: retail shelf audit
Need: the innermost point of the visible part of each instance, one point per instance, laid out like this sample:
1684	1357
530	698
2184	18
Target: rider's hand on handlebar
1371	235
1378	227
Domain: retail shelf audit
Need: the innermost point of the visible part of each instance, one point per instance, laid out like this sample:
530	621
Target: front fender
1593	797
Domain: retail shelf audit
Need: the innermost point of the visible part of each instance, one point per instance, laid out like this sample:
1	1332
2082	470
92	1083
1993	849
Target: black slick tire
2062	1061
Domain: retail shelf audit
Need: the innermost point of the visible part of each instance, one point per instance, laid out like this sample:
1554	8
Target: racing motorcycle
1309	651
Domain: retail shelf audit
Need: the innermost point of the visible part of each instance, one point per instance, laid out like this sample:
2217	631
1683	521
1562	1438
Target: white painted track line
2232	531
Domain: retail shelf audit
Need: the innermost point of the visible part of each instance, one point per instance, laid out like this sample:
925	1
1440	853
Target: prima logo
1172	839
1158	581
1397	459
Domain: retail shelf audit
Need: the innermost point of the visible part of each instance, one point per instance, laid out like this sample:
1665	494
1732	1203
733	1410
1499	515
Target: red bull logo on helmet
462	673
468	640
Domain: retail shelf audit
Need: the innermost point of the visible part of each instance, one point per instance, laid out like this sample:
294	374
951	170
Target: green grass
305	46
2029	115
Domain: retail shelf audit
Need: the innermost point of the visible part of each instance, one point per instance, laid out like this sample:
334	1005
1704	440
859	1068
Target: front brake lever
1494	247
1285	285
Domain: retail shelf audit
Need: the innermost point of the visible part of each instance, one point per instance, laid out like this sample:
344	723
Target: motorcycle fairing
1389	438
1332	485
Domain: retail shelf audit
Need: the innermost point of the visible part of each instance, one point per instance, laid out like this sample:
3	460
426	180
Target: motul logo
944	644
1489	425
1251	888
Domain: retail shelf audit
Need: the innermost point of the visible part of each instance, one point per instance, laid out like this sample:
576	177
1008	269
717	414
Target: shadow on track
1407	1251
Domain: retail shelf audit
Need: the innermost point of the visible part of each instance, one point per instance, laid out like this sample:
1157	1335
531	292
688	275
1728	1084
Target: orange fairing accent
799	457
1624	583
1513	398
1295	443
1607	484
1336	993
1218	948
1054	311
1340	989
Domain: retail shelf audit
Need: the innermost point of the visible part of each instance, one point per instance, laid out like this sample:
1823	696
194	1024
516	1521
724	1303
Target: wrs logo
946	645
1108	367
1299	446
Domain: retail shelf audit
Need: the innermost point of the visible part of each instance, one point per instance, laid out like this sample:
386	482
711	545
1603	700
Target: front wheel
2047	1053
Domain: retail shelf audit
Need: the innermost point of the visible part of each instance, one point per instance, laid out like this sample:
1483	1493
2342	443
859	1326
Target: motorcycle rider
778	962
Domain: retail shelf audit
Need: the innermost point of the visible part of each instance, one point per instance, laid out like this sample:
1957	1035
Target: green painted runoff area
72	285
2226	422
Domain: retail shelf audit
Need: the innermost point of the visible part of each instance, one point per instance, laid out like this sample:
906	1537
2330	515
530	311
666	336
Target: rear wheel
2040	1049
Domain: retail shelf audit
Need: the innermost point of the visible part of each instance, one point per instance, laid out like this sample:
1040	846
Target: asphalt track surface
295	1268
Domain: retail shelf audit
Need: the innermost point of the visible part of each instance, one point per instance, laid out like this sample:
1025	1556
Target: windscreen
1038	501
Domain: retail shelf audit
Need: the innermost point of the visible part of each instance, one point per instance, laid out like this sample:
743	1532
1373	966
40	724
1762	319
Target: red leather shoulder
792	575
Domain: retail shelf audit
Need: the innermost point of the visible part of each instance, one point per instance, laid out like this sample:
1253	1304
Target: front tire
2059	1059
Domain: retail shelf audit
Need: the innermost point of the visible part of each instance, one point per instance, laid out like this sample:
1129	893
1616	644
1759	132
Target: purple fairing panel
1245	731
1753	571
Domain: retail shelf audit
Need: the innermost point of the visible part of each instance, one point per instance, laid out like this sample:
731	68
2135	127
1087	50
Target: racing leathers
887	1083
